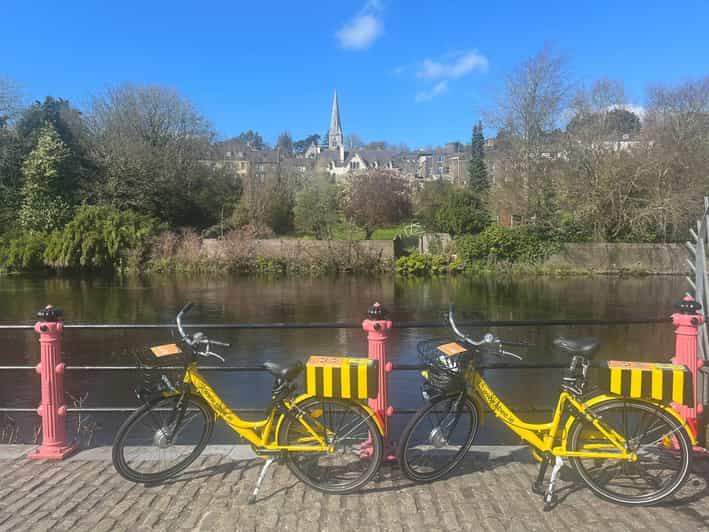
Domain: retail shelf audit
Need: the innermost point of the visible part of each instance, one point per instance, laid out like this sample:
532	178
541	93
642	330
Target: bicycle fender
600	398
305	396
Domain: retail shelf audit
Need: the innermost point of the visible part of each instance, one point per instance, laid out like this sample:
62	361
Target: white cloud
438	89
462	64
361	32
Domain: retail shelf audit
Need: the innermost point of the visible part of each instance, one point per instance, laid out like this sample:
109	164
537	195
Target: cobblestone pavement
491	491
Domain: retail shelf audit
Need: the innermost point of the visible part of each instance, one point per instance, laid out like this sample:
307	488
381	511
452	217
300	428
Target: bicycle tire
651	432
364	447
126	461
430	434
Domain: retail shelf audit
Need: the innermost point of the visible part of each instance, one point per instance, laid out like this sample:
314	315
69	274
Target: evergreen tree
44	204
477	172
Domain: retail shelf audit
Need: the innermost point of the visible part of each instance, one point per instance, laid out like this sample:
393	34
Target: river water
342	298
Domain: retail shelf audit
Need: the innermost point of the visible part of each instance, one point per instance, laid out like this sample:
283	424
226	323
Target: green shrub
22	252
499	244
101	237
418	264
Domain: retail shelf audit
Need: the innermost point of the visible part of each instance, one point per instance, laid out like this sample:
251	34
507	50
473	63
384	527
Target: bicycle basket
445	363
159	368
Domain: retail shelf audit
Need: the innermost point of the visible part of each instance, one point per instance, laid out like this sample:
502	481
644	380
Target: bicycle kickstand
550	497
261	476
538	484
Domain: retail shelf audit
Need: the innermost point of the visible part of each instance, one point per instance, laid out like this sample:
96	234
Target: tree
285	144
353	141
477	172
301	146
151	142
266	204
44	192
251	139
80	173
533	98
10	98
529	108
316	209
375	198
461	213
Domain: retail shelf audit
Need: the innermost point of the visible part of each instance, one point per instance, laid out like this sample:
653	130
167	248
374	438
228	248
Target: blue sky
405	71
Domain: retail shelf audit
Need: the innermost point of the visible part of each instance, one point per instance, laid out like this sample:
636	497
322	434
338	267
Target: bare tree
150	140
528	111
376	198
533	97
10	99
353	141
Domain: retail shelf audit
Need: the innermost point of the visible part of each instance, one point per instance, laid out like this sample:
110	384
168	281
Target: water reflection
346	298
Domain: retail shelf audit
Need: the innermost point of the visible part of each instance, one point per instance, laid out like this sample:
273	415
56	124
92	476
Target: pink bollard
687	322
377	335
52	410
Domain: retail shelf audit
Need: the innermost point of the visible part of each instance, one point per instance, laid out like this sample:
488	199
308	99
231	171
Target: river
343	298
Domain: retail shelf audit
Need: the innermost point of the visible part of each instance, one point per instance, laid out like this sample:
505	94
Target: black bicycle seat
284	371
584	345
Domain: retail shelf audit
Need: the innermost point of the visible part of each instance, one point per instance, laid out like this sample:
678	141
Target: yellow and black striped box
349	378
648	380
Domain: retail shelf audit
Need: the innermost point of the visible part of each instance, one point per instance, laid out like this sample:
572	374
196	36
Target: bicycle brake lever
210	354
511	354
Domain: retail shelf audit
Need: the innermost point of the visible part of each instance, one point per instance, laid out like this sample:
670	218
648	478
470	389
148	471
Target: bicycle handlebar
197	338
488	339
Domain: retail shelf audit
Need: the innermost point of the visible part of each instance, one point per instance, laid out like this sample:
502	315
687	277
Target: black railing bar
356	325
398	367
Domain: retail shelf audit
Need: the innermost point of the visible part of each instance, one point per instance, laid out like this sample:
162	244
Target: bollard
687	321
52	410
377	335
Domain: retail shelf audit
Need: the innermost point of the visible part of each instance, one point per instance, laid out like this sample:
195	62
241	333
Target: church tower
335	140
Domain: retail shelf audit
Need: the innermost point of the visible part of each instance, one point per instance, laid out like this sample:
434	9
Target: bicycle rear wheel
353	436
659	440
437	438
151	446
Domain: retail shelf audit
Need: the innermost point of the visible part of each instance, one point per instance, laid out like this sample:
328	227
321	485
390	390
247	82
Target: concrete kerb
241	452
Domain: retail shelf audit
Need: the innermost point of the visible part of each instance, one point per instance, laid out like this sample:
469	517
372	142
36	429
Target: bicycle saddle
284	371
584	345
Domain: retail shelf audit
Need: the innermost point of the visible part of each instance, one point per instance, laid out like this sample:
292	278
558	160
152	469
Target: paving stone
490	492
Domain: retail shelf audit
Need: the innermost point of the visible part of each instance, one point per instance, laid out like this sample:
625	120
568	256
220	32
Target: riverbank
489	491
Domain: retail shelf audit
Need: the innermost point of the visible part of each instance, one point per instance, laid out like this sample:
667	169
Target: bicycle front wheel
660	441
437	438
162	438
356	445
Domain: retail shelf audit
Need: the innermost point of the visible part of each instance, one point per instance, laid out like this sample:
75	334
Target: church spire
334	135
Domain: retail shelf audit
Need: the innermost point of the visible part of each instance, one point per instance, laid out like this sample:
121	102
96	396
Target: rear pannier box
348	378
669	383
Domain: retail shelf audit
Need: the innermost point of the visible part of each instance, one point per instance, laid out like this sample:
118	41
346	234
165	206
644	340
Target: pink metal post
377	335
52	410
687	322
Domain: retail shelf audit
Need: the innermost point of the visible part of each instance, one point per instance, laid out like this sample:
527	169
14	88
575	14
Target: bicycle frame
262	434
551	437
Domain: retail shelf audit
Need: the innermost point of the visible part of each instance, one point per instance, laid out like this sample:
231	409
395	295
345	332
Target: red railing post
52	410
377	335
687	321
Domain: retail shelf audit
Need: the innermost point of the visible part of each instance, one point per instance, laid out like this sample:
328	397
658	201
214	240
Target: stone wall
667	259
293	249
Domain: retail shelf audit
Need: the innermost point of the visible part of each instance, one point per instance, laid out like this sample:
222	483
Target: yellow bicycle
627	446
334	445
